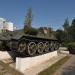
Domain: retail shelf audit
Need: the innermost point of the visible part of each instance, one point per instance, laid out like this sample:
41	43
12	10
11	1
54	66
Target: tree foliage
60	35
72	30
28	29
68	34
28	19
66	25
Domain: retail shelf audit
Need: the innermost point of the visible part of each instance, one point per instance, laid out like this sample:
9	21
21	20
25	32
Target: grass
9	69
52	69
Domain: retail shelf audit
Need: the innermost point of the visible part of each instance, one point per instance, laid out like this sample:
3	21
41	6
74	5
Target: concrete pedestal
23	64
4	55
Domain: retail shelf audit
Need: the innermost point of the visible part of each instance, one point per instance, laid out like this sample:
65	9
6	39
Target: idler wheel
52	46
40	47
46	47
56	46
31	48
22	46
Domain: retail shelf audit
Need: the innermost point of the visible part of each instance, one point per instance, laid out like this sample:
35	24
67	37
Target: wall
6	25
4	55
25	63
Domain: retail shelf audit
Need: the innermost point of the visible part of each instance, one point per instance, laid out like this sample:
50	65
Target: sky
46	13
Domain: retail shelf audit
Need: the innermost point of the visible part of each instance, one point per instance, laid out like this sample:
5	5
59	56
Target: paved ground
68	68
41	67
6	70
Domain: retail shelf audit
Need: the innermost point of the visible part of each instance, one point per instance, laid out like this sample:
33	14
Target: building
5	25
8	26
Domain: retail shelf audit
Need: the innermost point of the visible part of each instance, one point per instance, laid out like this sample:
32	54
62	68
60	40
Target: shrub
66	42
71	47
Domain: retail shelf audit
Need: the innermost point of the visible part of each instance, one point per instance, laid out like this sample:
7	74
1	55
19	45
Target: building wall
1	23
8	26
5	25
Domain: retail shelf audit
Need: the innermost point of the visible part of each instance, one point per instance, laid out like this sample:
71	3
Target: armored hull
29	45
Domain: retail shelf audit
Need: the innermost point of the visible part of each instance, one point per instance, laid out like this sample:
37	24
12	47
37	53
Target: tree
28	20
69	30
51	32
60	35
27	24
66	25
72	30
73	22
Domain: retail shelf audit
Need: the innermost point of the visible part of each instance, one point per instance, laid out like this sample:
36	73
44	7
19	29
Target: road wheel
22	46
56	46
52	46
31	48
46	47
40	48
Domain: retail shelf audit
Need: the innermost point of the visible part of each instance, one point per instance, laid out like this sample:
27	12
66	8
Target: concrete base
4	55
65	52
23	64
63	48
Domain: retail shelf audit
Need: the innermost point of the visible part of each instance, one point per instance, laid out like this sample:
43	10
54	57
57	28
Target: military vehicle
25	44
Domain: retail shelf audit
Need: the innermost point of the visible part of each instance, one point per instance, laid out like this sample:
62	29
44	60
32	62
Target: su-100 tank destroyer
30	45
